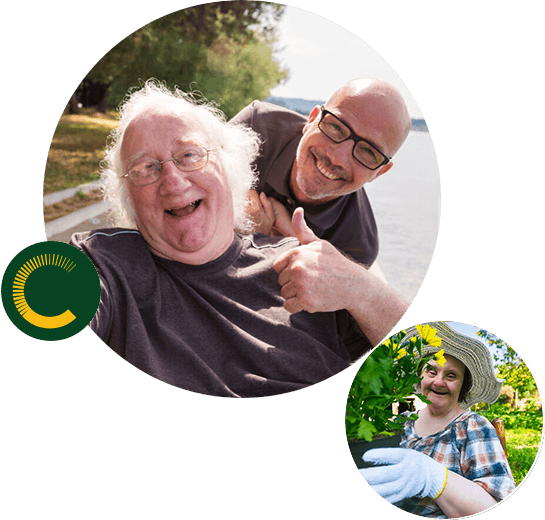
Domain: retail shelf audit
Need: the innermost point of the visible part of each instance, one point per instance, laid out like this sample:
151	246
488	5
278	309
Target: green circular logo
50	290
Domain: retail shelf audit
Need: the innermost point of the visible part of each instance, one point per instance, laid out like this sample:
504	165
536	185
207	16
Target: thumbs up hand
301	231
315	276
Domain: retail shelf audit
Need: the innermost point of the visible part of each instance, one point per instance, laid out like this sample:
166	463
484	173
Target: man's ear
382	170
312	117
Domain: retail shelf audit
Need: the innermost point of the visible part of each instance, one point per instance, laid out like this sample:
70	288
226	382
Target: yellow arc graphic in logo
44	322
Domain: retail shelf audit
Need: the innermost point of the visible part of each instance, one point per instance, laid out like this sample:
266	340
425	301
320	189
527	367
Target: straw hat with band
474	355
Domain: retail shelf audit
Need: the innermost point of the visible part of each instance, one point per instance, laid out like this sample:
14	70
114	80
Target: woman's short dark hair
466	385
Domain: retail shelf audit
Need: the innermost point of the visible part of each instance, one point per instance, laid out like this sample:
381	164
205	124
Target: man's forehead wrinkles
176	143
135	157
187	141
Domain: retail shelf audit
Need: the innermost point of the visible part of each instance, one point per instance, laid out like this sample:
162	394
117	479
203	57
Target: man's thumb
303	233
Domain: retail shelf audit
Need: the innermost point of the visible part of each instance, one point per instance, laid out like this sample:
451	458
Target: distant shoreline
305	106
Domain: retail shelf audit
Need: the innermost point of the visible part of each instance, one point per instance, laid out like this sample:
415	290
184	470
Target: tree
240	20
237	74
510	366
223	49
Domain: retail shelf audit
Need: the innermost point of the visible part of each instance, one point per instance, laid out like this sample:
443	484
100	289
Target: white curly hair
237	146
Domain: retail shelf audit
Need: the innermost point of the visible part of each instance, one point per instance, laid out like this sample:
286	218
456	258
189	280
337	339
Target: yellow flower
440	357
401	353
427	334
387	343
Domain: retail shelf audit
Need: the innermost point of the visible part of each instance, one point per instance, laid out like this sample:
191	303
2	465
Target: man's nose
172	177
341	153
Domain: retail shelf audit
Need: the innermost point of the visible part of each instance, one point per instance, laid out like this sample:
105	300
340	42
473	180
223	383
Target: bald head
377	103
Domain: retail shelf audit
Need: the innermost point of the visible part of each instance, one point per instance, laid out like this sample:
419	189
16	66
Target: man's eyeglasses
338	131
186	160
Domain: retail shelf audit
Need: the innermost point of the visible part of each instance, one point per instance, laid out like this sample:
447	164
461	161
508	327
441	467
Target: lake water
406	202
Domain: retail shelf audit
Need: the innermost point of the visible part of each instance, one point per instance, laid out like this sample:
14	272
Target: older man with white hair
193	303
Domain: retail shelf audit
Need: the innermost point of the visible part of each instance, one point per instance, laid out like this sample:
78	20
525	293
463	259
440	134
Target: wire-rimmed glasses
186	160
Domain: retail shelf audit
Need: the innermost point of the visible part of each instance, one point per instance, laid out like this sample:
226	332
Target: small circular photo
444	420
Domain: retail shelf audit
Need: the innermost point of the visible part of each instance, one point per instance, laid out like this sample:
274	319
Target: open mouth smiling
326	173
329	172
184	211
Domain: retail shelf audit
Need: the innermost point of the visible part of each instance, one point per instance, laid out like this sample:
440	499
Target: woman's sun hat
486	387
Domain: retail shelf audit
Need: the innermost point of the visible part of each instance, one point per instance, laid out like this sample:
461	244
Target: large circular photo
260	212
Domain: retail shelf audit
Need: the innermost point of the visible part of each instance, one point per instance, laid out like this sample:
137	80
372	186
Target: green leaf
375	385
366	430
423	398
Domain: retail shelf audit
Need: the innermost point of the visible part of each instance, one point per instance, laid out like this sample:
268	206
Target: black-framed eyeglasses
338	131
186	160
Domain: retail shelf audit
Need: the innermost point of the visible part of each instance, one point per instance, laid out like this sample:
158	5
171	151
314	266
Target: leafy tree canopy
224	50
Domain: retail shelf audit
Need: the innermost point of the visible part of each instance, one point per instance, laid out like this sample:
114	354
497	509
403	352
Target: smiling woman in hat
450	462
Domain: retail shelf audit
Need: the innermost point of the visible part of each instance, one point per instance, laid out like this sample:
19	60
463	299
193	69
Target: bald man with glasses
322	163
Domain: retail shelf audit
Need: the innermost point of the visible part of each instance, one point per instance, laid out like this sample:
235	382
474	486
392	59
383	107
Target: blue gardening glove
408	473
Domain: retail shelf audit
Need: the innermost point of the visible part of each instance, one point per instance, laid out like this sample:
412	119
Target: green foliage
530	419
510	366
389	375
240	20
223	50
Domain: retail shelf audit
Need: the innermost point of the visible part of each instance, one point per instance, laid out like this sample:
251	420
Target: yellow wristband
444	485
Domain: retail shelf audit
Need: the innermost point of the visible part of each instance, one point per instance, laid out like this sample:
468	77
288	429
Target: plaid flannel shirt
468	446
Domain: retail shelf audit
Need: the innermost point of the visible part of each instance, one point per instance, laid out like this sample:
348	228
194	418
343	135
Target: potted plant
391	374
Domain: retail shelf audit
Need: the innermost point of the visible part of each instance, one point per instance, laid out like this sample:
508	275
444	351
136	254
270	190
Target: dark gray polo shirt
349	223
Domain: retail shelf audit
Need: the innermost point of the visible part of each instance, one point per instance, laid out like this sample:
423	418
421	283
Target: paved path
91	217
85	219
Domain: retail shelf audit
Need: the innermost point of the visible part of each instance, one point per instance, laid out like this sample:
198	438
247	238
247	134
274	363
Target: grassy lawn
77	149
522	448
